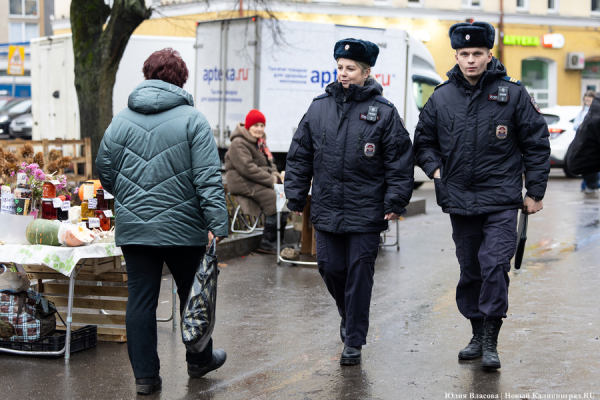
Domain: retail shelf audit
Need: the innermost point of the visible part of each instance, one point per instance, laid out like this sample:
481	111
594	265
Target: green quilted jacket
159	159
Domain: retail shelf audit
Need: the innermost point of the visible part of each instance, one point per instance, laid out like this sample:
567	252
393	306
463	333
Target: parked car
22	126
560	124
11	112
8	101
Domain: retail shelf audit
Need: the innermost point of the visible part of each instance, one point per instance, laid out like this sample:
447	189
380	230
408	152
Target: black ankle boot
269	240
490	342
474	348
148	385
343	330
350	356
219	357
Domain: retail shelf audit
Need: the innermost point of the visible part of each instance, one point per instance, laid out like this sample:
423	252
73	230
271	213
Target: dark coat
249	173
583	156
483	146
362	170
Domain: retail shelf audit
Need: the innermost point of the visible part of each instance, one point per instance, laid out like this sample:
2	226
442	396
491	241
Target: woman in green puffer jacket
159	159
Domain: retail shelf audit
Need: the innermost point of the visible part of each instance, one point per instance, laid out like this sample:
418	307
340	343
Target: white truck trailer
239	67
54	98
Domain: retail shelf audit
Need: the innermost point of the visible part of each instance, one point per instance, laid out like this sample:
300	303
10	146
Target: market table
99	262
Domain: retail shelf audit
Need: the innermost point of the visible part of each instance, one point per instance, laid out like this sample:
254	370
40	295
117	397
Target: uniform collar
371	89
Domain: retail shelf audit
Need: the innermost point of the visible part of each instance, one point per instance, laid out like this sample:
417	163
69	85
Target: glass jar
88	190
48	190
62	215
102	203
104	220
48	210
86	221
86	212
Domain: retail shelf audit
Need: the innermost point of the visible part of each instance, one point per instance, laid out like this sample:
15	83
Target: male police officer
478	133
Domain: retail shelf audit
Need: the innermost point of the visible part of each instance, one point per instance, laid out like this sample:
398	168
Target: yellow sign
16	60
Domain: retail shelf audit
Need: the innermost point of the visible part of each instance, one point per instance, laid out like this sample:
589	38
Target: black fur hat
357	50
477	34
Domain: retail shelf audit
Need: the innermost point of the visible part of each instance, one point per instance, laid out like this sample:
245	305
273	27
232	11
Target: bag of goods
41	231
198	317
26	315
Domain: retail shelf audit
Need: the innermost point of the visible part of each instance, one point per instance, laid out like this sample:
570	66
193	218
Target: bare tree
100	35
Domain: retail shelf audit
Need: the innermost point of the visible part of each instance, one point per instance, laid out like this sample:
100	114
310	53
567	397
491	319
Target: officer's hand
391	217
436	174
531	206
298	213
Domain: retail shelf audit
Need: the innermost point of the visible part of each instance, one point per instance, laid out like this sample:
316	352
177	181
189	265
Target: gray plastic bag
198	318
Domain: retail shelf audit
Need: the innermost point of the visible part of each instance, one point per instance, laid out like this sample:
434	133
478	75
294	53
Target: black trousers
347	265
485	244
144	274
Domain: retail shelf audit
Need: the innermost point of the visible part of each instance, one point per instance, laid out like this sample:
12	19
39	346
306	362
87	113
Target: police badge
501	132
369	149
535	105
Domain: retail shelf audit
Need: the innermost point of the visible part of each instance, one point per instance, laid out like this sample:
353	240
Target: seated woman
251	174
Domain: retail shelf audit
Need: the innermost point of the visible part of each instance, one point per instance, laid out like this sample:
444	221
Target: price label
92	204
108	213
67	222
94	222
65	206
57	202
21	178
108	196
55	183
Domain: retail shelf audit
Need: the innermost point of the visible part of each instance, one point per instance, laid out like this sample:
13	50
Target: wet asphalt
280	327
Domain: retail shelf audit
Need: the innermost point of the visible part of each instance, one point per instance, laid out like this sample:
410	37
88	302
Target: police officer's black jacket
362	169
583	156
483	146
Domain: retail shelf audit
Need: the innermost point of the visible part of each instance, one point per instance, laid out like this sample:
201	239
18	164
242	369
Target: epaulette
322	96
512	80
383	100
441	84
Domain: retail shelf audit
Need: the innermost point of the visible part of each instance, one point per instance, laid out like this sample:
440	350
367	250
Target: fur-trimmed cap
357	50
477	34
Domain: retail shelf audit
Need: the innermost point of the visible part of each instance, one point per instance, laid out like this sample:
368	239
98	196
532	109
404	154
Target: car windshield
3	103
423	87
551	119
20	107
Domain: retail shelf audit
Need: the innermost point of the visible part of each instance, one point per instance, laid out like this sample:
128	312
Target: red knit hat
254	117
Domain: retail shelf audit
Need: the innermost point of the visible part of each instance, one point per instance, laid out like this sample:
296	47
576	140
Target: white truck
54	99
240	67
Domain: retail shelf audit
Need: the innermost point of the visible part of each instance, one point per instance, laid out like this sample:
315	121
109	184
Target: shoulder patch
383	100
322	96
441	84
512	80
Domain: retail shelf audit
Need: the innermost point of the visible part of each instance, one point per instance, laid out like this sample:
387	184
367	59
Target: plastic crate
81	339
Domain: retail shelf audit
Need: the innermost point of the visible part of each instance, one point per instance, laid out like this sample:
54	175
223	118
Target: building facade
552	46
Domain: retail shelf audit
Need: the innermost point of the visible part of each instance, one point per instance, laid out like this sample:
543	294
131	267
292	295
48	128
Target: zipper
452	131
322	144
491	131
360	144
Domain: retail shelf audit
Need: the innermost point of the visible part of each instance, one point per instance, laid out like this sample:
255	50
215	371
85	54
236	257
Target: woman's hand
298	213
211	237
391	216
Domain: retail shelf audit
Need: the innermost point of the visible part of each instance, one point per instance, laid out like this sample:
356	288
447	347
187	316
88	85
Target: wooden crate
89	294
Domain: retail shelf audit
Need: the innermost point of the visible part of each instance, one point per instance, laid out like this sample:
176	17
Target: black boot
343	330
218	359
350	356
473	349
269	240
148	385
490	342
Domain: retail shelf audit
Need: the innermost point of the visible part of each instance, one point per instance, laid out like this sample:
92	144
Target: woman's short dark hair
166	65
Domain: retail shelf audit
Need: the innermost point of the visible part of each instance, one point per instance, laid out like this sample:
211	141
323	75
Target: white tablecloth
60	258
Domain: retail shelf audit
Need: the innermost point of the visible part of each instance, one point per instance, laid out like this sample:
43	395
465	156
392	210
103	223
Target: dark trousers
485	244
144	274
347	265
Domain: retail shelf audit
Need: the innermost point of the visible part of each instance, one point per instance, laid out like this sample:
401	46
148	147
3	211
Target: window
415	3
423	87
23	32
472	3
596	6
552	6
522	5
24	8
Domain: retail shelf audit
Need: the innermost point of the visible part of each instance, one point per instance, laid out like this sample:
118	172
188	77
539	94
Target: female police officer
353	145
